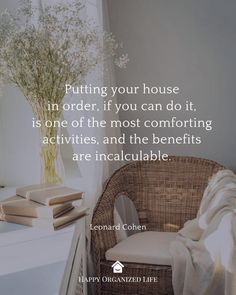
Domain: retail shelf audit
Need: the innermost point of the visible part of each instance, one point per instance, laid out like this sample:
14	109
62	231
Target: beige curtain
94	174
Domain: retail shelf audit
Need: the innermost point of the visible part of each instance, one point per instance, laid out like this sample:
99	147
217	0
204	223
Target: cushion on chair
147	247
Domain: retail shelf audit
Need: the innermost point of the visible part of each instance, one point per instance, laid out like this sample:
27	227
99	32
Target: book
23	207
22	191
13	198
54	224
10	199
49	194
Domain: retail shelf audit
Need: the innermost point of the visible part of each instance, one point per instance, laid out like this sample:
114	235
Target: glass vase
52	168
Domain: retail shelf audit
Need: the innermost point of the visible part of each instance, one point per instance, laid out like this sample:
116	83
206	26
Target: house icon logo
117	267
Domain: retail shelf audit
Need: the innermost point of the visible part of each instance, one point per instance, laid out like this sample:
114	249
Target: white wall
187	43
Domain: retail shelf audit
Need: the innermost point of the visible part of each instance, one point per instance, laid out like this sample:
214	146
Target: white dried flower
122	61
60	48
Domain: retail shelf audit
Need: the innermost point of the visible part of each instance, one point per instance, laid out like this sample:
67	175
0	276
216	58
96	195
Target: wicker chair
166	195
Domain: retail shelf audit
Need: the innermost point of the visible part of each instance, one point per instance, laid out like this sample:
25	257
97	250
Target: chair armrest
103	239
103	215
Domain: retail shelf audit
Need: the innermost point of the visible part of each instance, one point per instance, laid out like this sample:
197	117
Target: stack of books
48	206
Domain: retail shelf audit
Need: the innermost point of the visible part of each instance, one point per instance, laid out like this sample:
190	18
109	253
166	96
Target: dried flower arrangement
41	51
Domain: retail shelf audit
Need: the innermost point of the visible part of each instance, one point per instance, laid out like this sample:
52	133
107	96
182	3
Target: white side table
76	264
33	260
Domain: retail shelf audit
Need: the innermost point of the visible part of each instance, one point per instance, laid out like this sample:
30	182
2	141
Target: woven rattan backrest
165	194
